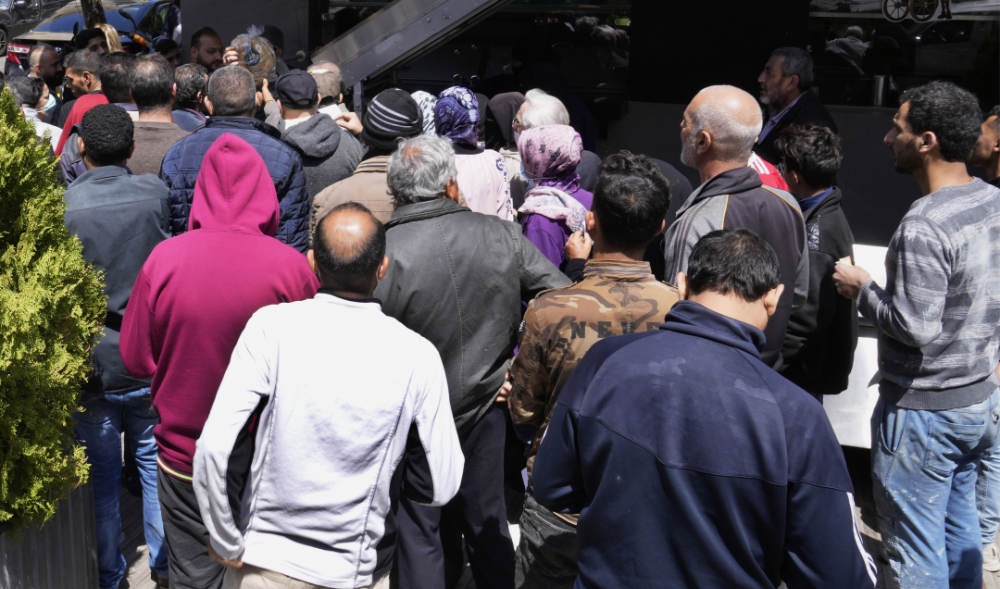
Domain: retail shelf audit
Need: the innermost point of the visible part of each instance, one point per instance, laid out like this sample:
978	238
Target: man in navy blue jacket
690	461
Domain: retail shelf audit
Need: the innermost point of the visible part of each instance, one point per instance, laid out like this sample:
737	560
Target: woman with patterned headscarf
482	176
556	206
426	102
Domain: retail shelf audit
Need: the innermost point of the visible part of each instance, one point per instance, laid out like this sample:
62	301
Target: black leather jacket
458	278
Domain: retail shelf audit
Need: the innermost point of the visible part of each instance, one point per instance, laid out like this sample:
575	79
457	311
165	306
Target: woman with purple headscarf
482	176
556	206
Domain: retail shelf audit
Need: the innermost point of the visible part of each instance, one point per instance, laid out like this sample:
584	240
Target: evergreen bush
51	311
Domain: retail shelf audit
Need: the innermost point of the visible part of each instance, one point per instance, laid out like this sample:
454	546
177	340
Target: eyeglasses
517	125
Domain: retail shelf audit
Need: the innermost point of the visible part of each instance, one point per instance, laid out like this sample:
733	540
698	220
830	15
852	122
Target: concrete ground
857	462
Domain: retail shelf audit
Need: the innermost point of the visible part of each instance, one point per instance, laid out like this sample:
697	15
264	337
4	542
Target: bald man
345	392
718	132
44	62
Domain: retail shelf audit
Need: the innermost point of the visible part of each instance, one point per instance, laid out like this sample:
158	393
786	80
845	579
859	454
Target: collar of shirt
773	121
807	203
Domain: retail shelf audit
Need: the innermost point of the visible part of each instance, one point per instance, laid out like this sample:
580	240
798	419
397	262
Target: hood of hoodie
316	137
234	189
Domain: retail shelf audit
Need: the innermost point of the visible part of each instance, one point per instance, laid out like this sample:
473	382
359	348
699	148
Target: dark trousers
429	552
546	554
187	537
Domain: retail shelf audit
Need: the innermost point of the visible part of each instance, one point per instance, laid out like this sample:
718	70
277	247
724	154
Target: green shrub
51	310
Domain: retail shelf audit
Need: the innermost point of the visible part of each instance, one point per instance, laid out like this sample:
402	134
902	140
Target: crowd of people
348	351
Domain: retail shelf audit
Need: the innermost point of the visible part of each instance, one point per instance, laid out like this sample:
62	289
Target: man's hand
504	393
578	246
265	90
350	121
849	279
224	562
230	56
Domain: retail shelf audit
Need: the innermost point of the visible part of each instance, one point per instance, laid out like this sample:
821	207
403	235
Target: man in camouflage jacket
618	295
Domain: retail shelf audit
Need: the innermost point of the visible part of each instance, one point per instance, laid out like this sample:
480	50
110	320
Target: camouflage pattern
560	325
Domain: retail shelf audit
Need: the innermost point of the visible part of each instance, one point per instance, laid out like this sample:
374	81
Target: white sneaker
991	558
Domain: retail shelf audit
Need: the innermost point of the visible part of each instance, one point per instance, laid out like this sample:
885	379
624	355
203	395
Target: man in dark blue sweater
690	461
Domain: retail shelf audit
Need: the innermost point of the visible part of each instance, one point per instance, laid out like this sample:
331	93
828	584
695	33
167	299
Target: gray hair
796	62
541	108
733	140
232	92
420	168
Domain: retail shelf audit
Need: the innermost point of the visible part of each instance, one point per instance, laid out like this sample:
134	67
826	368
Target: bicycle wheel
894	10
923	10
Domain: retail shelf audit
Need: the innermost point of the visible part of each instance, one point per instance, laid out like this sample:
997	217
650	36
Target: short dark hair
349	265
630	200
733	261
84	36
84	61
950	112
27	91
796	61
152	82
203	32
106	131
232	91
115	73
812	151
191	78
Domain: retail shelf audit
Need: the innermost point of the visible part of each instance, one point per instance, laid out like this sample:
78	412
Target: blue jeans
988	494
100	428
924	469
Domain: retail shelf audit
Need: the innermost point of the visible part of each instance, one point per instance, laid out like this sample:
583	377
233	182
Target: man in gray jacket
335	419
937	418
458	278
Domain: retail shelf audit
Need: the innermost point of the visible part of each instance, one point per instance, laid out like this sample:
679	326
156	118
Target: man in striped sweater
937	416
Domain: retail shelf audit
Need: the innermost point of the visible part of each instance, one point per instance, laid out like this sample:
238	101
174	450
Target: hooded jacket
196	291
183	162
736	199
329	153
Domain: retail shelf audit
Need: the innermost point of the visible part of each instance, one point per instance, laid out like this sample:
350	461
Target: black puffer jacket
458	278
826	350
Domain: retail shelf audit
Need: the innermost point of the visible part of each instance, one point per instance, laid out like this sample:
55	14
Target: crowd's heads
27	91
391	115
937	120
170	51
456	115
106	134
152	82
630	201
720	124
115	72
422	168
787	72
44	62
550	153
231	92
297	90
811	154
206	48
191	79
328	82
741	267
988	145
539	108
83	69
349	249
91	40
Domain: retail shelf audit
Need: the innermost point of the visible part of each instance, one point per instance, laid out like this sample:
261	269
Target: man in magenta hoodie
190	302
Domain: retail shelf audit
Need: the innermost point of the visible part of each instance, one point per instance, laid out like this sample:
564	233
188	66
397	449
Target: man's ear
258	98
311	258
281	108
928	140
193	54
703	141
83	148
663	225
340	98
208	106
173	91
682	286
383	267
451	189
771	299
590	221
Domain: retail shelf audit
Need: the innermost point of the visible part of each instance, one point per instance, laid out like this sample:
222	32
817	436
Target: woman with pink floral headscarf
556	206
